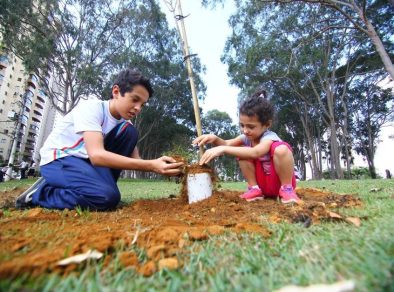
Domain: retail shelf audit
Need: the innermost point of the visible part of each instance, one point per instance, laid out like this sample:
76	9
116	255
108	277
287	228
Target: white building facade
26	114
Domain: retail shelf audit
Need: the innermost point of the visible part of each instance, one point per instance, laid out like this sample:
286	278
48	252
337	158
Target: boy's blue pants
71	181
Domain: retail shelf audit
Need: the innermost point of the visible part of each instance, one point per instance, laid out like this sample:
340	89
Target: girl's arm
215	140
241	152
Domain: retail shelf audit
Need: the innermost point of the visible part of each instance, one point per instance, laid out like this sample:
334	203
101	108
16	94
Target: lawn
327	252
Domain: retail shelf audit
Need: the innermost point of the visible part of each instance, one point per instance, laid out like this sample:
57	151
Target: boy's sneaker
253	194
24	200
288	195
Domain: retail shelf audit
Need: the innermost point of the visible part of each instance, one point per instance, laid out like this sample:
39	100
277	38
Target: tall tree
374	19
299	127
75	41
168	118
311	52
220	124
273	50
373	107
90	41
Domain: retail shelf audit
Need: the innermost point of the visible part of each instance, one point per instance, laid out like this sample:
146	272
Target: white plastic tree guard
199	186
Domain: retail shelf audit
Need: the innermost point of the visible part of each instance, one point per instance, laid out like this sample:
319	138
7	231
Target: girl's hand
205	139
211	154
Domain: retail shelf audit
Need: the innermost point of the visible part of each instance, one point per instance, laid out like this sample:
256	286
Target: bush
357	173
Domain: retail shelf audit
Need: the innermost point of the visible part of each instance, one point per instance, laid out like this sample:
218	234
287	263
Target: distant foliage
357	173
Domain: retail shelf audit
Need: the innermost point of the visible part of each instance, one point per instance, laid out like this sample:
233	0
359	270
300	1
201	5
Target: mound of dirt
34	241
7	198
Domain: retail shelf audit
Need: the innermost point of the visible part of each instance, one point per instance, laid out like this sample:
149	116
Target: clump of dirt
179	158
34	241
7	198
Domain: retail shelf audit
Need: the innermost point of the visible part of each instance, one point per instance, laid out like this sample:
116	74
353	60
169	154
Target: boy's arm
94	144
241	152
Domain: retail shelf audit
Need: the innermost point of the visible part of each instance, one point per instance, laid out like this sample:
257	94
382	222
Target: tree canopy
77	47
311	61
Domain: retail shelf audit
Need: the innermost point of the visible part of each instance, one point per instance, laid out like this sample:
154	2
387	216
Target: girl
266	161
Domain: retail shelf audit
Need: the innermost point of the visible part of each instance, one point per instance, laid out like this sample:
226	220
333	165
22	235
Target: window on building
5	93
1	111
1	150
5	131
3	140
19	79
3	101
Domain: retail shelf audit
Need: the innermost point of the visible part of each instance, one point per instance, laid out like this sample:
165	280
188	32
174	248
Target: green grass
323	253
17	183
132	190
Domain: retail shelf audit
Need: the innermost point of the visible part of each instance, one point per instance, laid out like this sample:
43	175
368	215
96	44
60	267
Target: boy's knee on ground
113	199
109	199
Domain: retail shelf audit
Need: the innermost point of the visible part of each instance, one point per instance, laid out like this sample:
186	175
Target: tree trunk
329	86
319	153
336	169
302	165
335	156
345	143
371	165
348	160
371	154
388	65
316	174
311	147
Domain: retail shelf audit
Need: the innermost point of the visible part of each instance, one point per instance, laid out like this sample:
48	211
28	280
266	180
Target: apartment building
26	113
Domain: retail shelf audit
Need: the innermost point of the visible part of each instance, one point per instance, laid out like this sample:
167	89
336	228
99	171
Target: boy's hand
167	166
205	139
211	154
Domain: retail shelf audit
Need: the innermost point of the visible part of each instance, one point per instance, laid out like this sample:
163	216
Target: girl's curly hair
258	104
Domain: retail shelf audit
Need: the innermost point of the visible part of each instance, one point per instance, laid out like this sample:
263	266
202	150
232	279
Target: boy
82	158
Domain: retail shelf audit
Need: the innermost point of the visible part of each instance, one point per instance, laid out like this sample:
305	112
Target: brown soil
33	241
179	158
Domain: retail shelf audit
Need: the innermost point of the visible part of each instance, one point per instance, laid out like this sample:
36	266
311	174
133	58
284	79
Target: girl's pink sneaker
253	194
288	195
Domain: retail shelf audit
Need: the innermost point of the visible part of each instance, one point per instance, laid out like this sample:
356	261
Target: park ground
155	240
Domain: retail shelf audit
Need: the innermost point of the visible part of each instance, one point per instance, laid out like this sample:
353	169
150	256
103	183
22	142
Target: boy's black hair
128	78
258	105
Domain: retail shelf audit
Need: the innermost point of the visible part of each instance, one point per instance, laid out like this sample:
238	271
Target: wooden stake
186	55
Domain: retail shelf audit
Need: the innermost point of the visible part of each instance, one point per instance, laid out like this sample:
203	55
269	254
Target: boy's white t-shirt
66	139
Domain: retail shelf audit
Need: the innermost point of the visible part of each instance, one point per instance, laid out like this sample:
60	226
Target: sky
384	158
207	31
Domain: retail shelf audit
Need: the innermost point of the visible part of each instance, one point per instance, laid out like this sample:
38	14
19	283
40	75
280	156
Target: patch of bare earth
34	241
